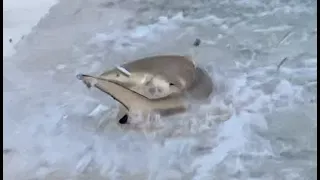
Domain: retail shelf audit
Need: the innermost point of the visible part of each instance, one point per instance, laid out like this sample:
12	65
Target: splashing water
260	123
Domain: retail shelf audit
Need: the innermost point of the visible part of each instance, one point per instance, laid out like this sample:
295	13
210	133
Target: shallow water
260	123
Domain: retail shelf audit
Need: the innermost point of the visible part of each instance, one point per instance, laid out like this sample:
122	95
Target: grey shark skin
134	102
190	84
155	77
200	91
202	86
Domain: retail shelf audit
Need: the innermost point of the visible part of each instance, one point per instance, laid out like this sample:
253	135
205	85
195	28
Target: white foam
274	29
132	37
19	18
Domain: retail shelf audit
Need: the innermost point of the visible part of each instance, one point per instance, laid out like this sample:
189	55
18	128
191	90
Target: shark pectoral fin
122	116
202	87
124	119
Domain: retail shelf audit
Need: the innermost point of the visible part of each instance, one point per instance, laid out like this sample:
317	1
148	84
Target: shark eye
171	84
117	75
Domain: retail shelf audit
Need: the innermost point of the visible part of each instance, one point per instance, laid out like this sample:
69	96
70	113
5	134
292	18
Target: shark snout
80	76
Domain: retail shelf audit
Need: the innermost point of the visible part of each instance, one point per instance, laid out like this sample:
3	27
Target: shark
164	84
